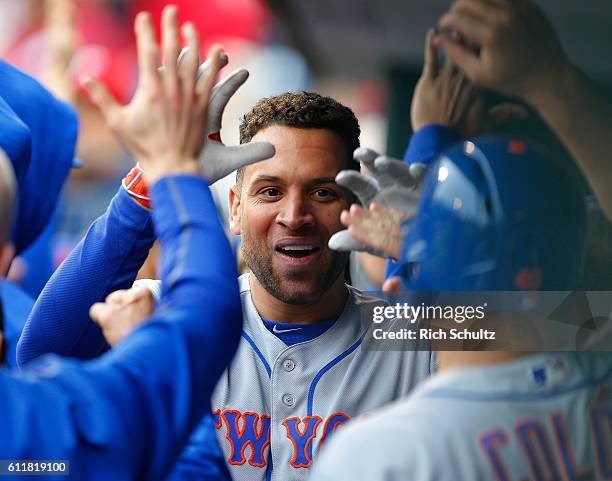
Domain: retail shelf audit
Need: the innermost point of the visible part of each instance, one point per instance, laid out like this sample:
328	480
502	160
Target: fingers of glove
343	241
364	187
206	82
366	156
218	160
396	172
220	96
204	66
418	171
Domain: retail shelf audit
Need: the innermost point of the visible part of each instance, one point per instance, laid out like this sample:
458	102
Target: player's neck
329	306
454	359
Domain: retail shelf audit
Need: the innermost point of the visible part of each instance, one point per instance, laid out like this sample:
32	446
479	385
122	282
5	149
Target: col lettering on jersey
276	405
541	417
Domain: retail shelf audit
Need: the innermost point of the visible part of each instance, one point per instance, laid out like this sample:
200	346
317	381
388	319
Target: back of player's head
304	110
496	214
8	192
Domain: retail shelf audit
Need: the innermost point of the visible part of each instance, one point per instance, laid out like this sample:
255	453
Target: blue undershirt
292	334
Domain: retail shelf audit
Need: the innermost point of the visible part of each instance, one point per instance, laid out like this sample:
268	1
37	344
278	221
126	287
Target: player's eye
270	193
325	194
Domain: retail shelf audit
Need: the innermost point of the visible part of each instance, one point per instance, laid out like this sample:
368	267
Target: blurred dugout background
365	53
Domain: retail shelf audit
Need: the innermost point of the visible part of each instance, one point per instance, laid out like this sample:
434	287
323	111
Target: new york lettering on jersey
252	430
276	405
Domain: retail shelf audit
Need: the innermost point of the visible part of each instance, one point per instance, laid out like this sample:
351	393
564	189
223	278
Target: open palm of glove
377	228
391	184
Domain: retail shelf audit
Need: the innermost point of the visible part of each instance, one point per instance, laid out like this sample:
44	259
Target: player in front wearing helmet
489	218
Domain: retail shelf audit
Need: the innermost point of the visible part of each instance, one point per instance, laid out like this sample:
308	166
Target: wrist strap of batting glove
137	188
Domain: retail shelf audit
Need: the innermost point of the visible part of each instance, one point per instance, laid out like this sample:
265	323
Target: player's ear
234	215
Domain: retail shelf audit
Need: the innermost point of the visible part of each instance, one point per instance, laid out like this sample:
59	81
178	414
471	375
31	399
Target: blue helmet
495	214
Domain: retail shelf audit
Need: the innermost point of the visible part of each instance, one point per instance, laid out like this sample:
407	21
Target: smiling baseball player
301	372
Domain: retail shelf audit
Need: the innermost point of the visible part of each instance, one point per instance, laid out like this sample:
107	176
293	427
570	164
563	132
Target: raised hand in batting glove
390	184
216	159
395	182
220	159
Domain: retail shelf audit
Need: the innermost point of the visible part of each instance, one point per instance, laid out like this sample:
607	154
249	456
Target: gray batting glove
397	182
217	159
391	183
343	241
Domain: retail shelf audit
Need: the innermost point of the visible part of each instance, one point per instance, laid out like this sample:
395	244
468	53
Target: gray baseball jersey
276	406
546	416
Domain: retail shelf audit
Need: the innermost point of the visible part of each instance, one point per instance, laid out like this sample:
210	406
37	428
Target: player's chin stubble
259	262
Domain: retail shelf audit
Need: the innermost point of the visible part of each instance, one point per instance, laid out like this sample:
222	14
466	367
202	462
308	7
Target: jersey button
288	400
288	365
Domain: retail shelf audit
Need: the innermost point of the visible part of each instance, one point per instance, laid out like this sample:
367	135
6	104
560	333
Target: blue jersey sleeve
17	305
127	414
427	143
202	459
106	259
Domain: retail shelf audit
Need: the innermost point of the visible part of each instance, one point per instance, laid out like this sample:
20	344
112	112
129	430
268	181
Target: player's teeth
298	248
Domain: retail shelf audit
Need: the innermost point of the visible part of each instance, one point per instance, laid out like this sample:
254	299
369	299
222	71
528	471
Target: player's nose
295	212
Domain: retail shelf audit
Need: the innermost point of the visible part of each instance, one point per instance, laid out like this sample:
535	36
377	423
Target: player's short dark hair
305	110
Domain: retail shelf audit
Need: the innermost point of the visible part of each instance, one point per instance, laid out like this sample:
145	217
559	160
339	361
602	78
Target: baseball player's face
286	210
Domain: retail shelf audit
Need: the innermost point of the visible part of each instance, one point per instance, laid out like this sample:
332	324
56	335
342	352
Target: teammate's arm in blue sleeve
428	142
202	459
127	414
106	259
